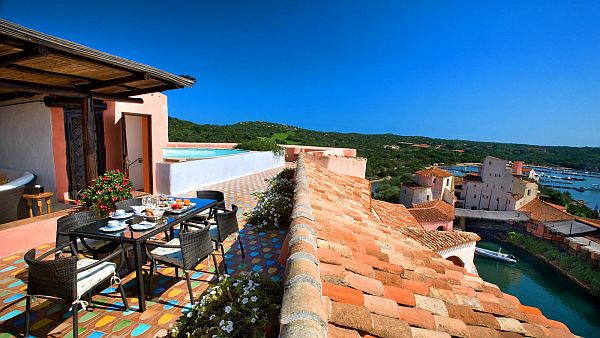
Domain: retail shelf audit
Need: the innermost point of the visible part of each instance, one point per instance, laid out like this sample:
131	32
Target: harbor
537	284
582	185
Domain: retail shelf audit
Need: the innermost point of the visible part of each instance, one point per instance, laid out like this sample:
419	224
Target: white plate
143	226
115	229
182	210
124	216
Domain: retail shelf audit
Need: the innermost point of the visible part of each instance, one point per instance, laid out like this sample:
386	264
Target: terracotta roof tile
381	306
340	332
384	326
434	171
343	294
439	240
483	332
414	185
452	326
434	211
394	215
351	316
423	333
417	317
380	277
541	211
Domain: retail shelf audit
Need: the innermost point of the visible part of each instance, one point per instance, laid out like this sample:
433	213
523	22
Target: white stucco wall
497	187
180	177
466	253
26	141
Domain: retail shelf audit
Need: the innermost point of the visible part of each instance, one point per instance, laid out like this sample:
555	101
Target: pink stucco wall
59	149
28	233
292	151
350	166
155	106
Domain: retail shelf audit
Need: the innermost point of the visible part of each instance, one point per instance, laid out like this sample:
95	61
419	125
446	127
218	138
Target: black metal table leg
137	252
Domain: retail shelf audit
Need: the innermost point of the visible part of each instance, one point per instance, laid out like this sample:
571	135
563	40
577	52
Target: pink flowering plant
247	306
105	191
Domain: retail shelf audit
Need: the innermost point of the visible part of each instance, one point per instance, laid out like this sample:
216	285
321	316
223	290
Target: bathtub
11	202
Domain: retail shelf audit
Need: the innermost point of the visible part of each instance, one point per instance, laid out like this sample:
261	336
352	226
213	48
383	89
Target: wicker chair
68	278
211	195
127	204
227	225
69	222
184	252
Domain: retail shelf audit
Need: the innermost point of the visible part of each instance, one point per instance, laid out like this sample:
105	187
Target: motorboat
495	255
595	187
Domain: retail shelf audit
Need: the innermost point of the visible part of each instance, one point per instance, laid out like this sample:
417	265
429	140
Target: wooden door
75	158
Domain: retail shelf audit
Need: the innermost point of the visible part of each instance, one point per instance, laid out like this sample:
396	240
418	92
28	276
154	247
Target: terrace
169	299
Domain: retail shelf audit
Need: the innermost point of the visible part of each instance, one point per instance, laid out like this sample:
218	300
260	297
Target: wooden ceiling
34	63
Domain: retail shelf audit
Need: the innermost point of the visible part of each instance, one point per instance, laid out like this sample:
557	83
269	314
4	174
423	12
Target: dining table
137	238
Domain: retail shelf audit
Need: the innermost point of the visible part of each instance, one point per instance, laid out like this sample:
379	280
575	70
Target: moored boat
496	255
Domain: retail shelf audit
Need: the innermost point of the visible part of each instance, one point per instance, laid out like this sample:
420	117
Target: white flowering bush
274	205
247	306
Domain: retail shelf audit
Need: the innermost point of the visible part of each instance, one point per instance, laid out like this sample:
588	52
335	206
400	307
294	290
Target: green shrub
247	306
274	205
595	286
262	144
552	255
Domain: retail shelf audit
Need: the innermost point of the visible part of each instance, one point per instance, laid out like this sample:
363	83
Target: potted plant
246	306
105	191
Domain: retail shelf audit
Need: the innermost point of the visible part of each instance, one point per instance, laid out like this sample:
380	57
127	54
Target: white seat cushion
169	255
88	279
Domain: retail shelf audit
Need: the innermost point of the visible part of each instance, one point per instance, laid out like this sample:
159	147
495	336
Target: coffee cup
119	212
113	224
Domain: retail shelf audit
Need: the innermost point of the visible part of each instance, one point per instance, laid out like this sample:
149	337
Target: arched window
457	261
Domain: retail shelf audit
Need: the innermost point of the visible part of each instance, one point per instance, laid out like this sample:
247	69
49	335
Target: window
428	197
474	196
497	199
490	163
528	192
434	180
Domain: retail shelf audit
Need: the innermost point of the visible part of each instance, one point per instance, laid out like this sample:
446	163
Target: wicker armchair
227	225
184	252
211	195
68	278
127	204
69	222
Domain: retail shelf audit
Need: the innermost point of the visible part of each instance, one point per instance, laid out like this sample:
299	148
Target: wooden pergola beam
150	90
36	71
33	53
63	91
115	82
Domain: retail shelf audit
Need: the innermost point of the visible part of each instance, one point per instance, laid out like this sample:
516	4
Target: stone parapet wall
302	311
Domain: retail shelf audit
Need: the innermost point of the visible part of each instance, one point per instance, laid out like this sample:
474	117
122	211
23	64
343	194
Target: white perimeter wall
26	141
180	177
465	252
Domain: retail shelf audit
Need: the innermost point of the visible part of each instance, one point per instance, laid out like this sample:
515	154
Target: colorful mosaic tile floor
170	297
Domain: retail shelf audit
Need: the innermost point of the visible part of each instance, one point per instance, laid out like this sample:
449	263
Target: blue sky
481	70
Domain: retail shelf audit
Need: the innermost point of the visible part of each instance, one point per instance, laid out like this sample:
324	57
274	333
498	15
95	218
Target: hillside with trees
391	157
